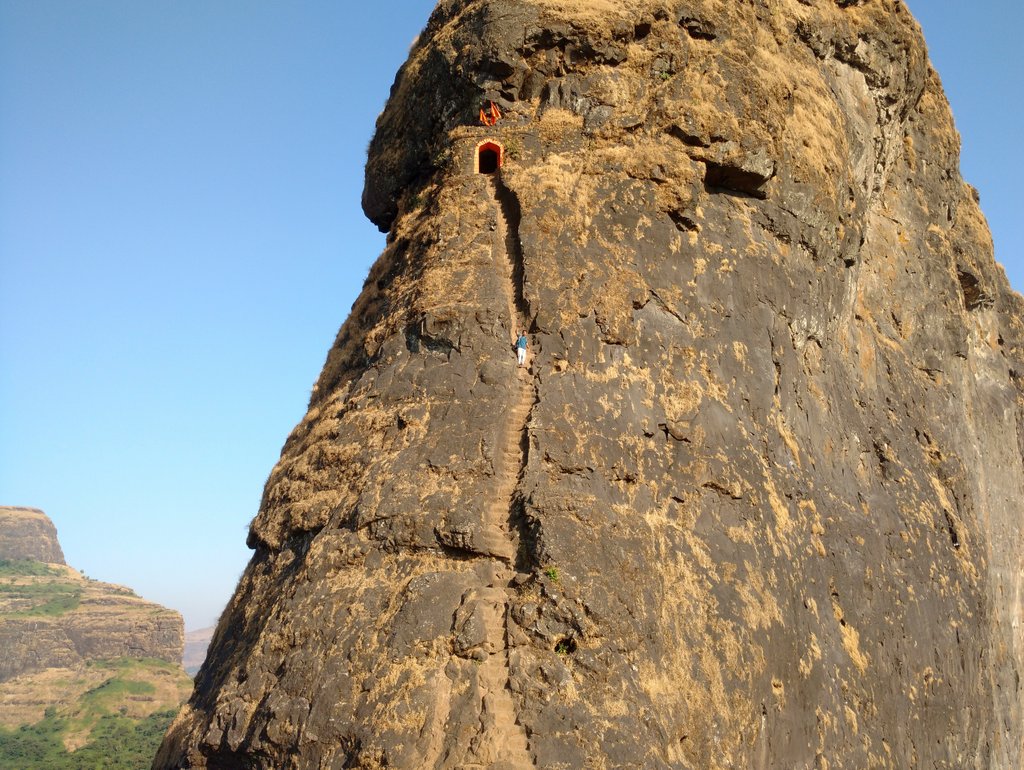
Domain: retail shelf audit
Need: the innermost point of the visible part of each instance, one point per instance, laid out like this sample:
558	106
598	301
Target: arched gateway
489	156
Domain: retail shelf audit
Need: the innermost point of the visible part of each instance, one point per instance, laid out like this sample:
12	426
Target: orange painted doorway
488	157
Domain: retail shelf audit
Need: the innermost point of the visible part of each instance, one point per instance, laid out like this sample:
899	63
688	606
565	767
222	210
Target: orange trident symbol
491	116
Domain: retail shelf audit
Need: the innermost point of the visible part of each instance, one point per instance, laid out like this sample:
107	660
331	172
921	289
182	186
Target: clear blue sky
181	237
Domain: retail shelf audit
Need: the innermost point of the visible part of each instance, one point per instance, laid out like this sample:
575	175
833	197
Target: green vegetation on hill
45	598
26	567
100	721
66	706
117	743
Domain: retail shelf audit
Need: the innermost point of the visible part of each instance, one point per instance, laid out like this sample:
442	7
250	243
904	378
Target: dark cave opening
489	159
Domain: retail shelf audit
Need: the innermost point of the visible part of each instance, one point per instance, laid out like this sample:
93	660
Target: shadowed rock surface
755	503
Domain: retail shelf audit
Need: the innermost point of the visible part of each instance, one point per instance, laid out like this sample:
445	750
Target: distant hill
51	616
196	643
91	673
27	533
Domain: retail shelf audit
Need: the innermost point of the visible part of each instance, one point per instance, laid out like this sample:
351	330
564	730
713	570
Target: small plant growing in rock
513	149
551	573
562	648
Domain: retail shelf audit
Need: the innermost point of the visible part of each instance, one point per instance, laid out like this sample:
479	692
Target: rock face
754	503
28	534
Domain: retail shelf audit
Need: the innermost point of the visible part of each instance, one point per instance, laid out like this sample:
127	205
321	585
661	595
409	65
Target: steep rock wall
756	502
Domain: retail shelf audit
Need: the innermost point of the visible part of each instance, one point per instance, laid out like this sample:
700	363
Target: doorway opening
488	157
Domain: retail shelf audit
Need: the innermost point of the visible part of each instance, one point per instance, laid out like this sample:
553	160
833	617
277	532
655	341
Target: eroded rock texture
755	501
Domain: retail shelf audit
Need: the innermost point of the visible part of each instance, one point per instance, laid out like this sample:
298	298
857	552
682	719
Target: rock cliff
28	534
59	619
91	673
754	502
51	616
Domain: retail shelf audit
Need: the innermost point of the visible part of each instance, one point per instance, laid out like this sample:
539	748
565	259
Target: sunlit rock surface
755	501
54	617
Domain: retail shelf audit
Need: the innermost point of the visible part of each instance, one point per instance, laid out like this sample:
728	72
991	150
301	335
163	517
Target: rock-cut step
495	542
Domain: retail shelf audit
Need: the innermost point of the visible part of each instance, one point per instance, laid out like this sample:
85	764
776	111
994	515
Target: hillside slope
91	673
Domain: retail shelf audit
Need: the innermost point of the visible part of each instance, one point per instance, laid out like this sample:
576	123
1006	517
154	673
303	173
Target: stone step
495	542
503	494
495	515
502	711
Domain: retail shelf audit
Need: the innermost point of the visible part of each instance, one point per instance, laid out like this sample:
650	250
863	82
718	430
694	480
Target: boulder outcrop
756	499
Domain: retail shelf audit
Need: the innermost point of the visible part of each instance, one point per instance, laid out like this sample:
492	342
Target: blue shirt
521	342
